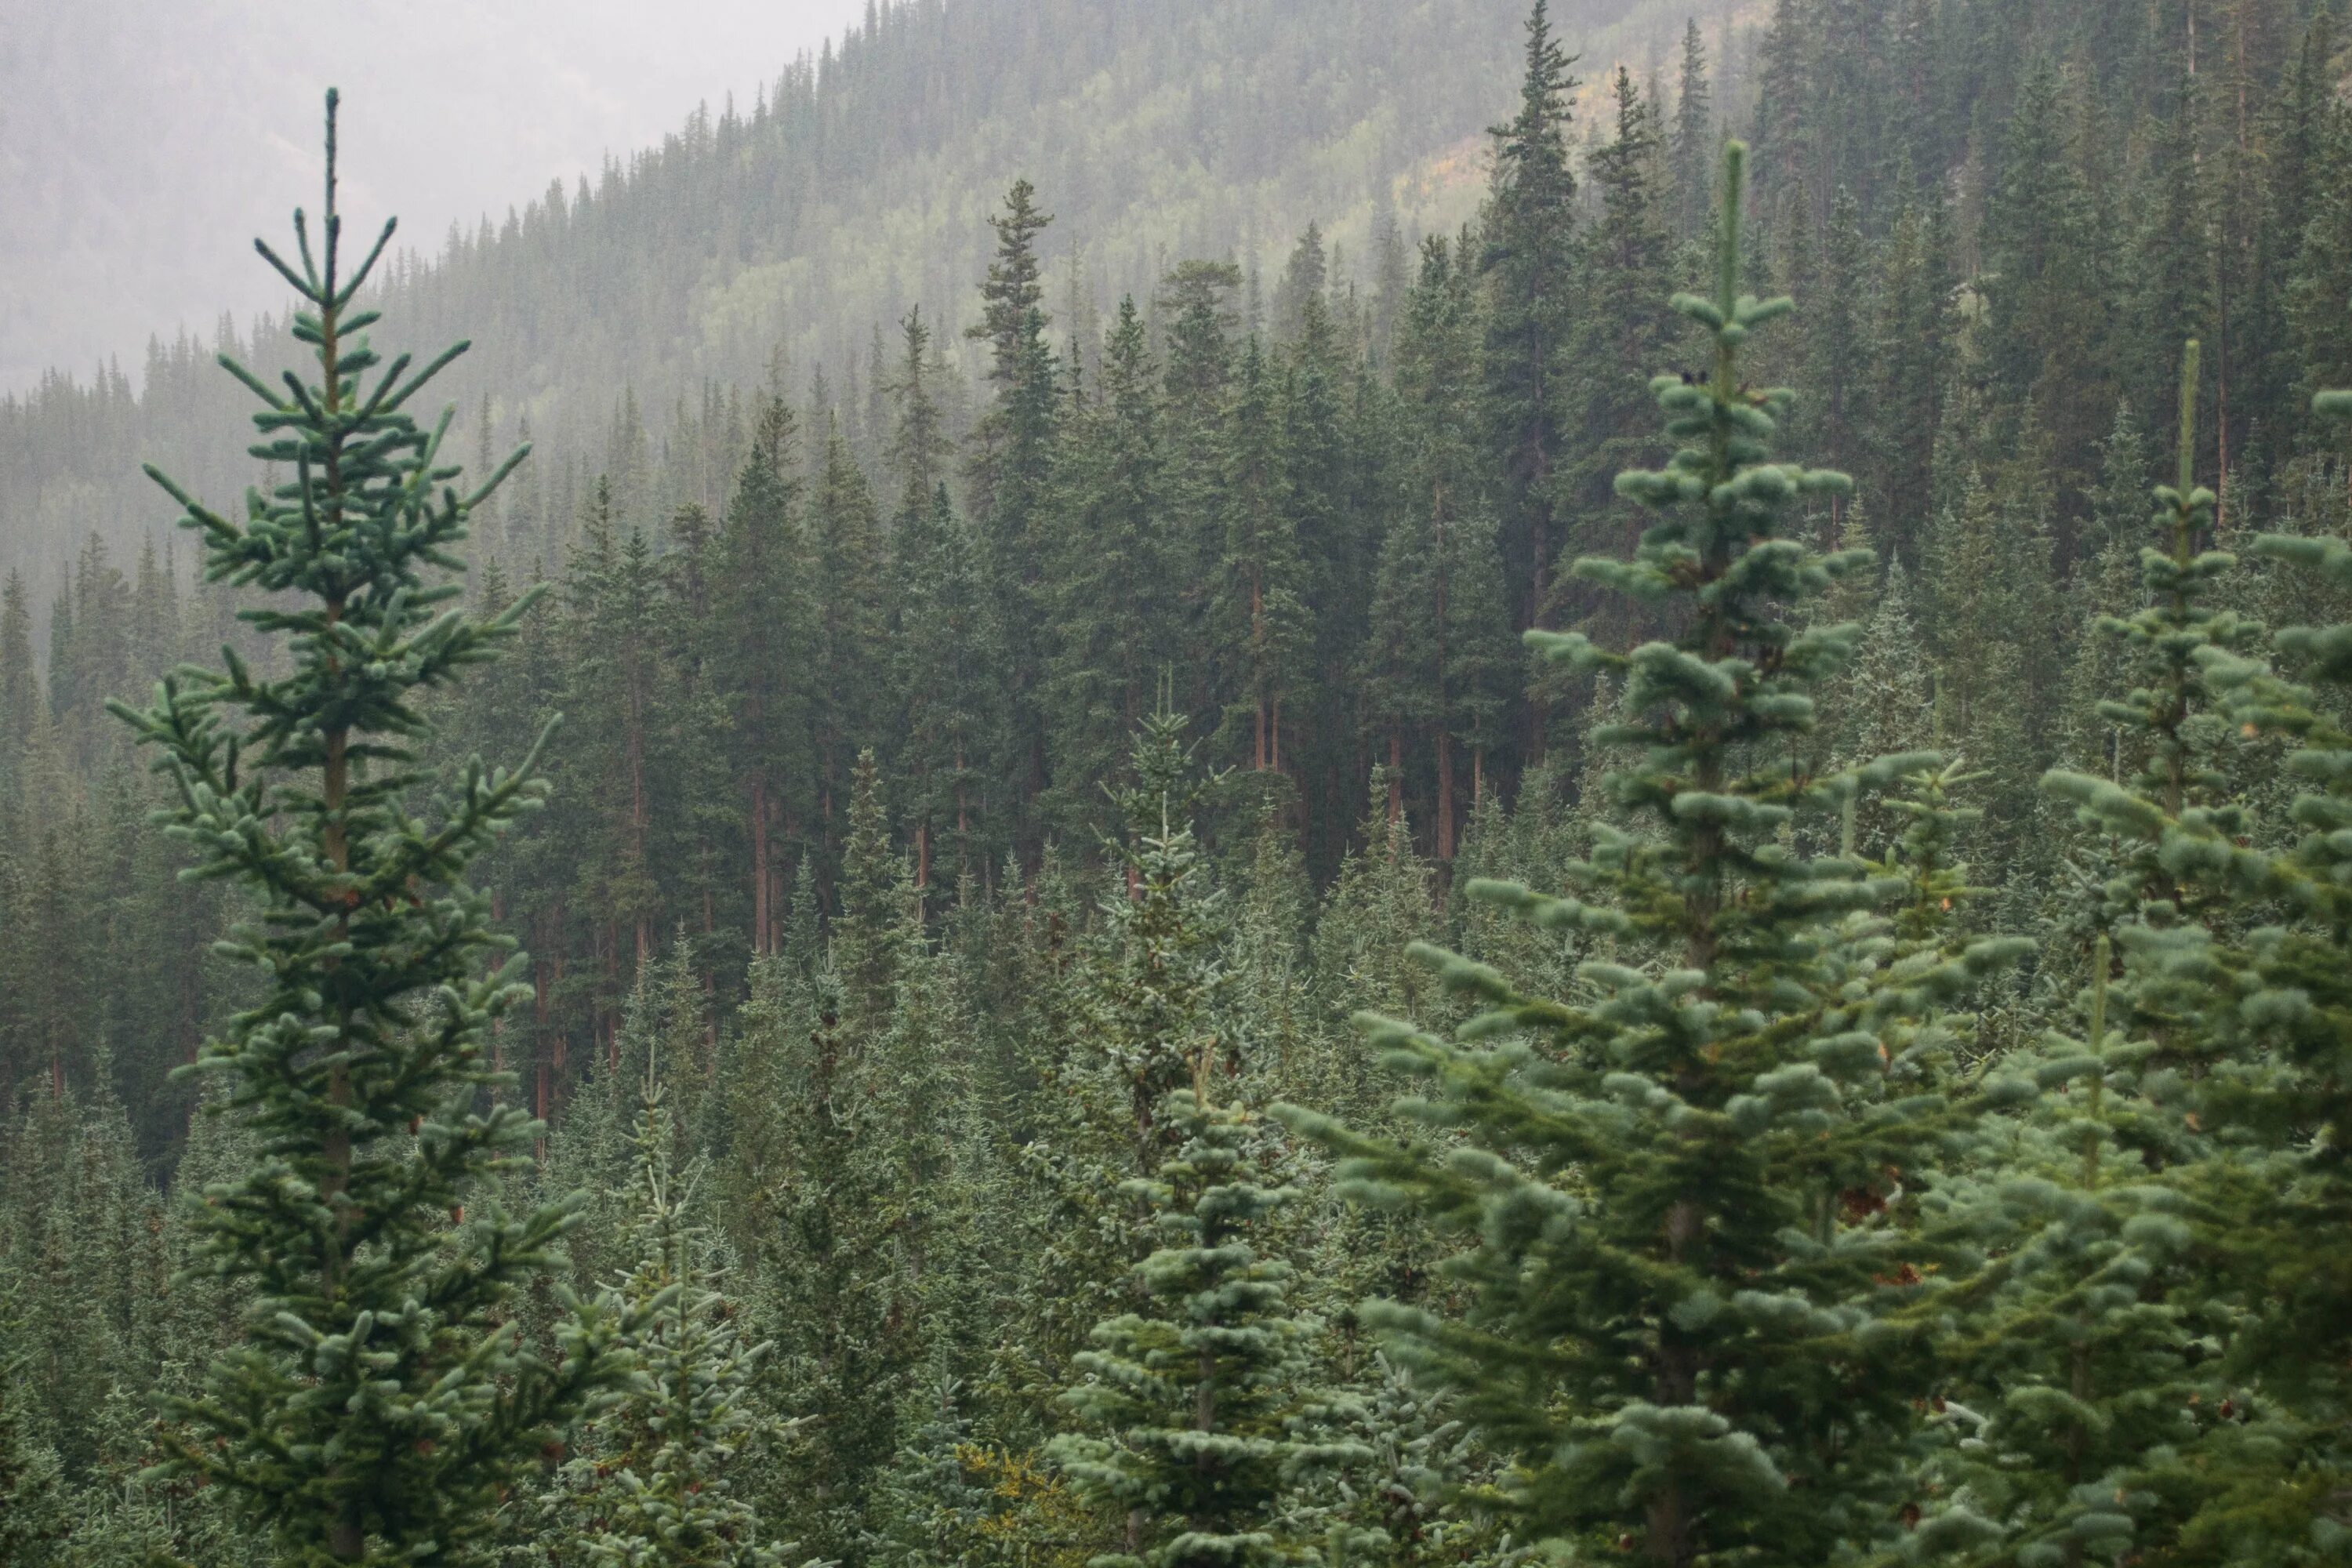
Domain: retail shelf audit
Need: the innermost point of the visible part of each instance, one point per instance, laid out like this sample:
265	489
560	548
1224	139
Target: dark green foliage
382	1398
1723	1168
657	1488
1200	1409
1687	1295
1531	239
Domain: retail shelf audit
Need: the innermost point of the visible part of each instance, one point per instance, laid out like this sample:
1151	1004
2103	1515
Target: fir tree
1439	656
382	1397
2171	725
1202	1408
1691	151
952	646
760	607
661	1492
1620	338
33	1503
1263	614
1683	1320
1530	232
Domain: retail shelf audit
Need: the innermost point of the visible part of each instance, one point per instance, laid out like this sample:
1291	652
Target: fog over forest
144	142
1177	783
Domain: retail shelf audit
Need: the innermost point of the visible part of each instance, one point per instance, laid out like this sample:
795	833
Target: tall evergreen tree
759	606
1114	628
1439	658
382	1397
659	1492
1529	229
1683	1307
1262	616
1203	1406
1692	150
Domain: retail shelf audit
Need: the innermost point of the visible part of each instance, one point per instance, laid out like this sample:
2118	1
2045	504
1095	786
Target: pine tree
1194	311
1529	230
953	650
33	1504
1903	407
1438	659
2171	722
762	608
382	1398
659	1489
918	443
1620	335
868	939
1202	1407
2276	1199
20	692
1013	292
1263	617
1838	357
1692	152
1113	628
1159	973
849	585
1685	1312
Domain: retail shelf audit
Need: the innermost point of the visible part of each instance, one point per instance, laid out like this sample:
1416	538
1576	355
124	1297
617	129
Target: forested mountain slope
1658	875
857	188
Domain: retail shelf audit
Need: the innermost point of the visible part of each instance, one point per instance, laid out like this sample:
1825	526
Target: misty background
144	142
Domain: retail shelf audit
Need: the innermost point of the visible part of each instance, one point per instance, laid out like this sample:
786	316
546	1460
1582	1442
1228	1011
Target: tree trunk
761	920
1444	796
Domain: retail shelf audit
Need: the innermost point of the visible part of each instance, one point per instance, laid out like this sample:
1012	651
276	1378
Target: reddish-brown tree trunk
760	880
1445	794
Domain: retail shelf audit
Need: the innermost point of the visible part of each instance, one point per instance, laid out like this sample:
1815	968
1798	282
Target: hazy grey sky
144	142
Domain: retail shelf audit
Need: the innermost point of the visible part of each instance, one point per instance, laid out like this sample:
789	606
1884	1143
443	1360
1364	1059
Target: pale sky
144	142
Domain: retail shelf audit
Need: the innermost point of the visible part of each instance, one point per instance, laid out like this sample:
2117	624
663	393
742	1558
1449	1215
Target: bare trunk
761	938
1444	796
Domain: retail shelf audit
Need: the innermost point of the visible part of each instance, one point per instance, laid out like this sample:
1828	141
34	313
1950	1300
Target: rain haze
144	142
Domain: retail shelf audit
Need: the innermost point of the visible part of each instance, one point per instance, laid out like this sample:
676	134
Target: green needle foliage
662	1496
1696	1297
2274	1188
381	1397
2169	718
1203	1406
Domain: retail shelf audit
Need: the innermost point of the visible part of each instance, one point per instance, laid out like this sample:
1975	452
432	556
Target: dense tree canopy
1571	861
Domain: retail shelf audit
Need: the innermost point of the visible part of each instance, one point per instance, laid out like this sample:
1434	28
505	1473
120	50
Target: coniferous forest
1659	873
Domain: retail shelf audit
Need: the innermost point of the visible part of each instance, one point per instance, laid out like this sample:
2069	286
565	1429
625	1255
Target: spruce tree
2171	724
1692	149
1690	1313
1529	232
951	650
33	1516
657	1489
1262	614
382	1397
2276	1095
1438	659
763	608
1200	1409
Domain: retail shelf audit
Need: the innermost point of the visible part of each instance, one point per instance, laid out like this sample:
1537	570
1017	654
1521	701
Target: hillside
1460	821
856	187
